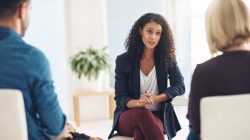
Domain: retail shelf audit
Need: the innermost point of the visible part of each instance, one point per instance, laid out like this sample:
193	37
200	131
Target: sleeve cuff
170	97
54	135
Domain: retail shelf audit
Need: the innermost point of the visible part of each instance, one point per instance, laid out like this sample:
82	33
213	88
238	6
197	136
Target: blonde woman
228	32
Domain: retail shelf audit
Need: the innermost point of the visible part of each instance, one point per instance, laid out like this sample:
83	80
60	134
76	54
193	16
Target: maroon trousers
141	124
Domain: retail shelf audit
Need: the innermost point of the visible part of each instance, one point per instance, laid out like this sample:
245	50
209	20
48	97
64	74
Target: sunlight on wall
58	27
47	33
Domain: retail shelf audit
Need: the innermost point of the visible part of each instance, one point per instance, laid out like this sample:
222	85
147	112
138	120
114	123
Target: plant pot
99	84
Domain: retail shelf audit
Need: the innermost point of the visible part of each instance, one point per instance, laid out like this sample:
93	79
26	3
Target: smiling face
151	34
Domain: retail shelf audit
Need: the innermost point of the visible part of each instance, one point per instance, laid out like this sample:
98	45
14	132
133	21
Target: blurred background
61	28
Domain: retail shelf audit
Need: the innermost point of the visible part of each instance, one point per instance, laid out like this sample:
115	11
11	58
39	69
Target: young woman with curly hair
143	97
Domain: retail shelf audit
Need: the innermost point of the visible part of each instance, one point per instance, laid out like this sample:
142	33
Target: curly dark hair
165	49
8	7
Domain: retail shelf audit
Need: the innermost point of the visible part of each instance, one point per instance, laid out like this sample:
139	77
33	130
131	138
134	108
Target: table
109	96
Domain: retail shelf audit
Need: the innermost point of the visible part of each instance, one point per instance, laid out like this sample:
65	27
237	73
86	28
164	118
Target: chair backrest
225	117
12	115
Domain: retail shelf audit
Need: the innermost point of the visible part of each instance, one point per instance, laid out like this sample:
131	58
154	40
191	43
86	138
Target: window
199	49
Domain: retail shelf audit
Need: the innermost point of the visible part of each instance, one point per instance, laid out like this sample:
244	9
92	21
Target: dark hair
164	51
8	7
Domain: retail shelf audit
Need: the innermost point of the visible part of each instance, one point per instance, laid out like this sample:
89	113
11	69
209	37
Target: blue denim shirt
26	68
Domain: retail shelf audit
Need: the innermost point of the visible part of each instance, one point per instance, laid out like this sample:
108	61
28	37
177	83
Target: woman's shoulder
123	61
209	66
123	58
212	62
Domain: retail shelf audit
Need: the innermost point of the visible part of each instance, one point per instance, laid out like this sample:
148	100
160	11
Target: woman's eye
150	31
158	33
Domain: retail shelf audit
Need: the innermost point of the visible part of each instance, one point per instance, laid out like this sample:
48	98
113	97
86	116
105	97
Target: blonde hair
227	24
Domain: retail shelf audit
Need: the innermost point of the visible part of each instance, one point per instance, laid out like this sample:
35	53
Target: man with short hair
26	68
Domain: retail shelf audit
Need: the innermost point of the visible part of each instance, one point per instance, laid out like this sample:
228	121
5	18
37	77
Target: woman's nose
153	36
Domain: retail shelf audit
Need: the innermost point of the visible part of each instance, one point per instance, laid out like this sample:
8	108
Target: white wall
86	20
121	17
86	25
47	32
182	26
122	14
61	27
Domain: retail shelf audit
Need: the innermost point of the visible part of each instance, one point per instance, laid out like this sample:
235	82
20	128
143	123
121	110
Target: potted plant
90	62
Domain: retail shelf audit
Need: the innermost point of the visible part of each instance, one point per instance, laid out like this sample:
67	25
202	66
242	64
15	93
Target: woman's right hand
146	100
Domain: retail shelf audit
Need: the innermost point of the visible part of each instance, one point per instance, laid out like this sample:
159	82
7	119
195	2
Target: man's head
15	14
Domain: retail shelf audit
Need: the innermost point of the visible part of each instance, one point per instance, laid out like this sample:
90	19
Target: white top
149	84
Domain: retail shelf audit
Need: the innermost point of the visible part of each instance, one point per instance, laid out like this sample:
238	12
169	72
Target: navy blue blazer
127	87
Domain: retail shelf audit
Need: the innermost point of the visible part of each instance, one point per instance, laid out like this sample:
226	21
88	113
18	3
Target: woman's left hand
150	98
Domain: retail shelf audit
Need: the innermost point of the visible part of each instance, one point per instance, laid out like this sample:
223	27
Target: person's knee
143	114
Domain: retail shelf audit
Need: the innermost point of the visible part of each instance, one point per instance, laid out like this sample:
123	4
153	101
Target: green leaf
90	62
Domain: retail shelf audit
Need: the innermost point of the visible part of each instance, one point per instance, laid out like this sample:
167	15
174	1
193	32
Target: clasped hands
145	100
